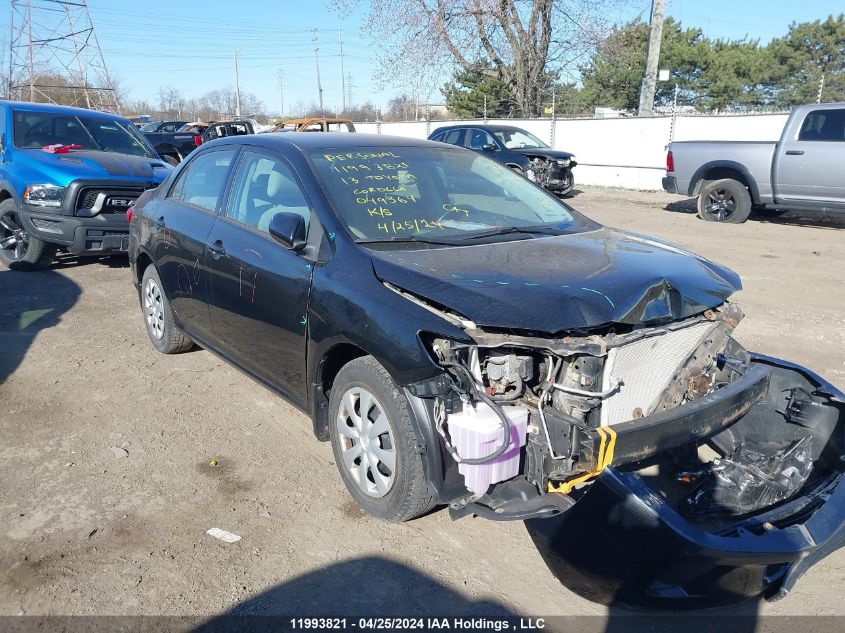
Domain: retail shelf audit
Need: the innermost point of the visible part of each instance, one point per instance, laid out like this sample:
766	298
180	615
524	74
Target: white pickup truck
804	170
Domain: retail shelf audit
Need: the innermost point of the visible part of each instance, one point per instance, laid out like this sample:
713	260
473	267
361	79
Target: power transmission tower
317	61
349	87
654	41
55	56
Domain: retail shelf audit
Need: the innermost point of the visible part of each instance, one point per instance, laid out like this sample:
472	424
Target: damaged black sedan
464	338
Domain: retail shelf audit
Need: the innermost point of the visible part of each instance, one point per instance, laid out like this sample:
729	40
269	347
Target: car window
202	180
169	128
823	125
479	138
390	193
454	137
263	187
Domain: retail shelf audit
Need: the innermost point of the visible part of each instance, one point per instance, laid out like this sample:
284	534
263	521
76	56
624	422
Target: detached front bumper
623	544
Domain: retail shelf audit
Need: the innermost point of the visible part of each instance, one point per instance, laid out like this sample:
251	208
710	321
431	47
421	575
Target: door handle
795	152
159	222
216	249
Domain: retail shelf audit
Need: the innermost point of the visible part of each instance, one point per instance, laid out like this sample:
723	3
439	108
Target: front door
811	166
259	289
182	221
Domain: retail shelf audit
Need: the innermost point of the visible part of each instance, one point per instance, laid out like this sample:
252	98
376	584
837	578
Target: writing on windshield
386	193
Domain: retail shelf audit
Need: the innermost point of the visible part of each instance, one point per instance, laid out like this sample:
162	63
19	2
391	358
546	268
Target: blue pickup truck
67	178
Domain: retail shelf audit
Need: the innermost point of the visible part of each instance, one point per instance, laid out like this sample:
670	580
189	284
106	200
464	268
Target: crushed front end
655	464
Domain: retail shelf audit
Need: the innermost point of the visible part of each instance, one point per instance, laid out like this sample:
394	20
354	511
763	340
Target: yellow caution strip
607	444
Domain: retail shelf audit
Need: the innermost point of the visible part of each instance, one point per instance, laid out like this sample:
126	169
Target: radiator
645	368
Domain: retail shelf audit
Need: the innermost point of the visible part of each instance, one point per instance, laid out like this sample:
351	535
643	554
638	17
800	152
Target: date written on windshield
414	226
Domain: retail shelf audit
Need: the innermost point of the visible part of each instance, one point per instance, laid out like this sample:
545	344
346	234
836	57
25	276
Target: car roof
479	126
323	140
52	108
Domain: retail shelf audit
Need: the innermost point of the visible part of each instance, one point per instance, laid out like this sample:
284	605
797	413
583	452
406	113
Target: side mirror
488	147
289	230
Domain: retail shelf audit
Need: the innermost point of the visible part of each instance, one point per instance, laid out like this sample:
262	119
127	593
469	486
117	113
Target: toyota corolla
464	338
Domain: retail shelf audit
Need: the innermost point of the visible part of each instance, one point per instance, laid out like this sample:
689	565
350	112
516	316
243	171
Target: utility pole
281	93
654	39
317	62
342	74
349	88
237	79
821	89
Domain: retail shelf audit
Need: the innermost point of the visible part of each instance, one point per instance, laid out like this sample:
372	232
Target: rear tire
376	449
18	249
164	334
725	200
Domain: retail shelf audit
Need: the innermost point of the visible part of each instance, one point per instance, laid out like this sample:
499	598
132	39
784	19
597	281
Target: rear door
259	289
811	162
182	223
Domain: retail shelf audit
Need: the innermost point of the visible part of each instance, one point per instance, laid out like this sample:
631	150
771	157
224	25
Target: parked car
67	177
167	127
463	337
516	148
222	129
804	170
174	142
258	128
314	124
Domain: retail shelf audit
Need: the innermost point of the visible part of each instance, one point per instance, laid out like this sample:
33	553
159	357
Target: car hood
556	283
61	169
542	151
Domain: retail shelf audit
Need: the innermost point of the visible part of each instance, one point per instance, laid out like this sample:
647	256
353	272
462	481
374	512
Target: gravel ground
115	459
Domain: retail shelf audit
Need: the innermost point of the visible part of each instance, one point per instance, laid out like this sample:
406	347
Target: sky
189	44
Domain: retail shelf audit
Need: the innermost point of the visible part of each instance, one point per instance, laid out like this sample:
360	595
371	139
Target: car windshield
150	127
435	194
40	129
518	139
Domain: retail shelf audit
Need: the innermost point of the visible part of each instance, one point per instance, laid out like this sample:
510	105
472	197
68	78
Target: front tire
375	447
164	334
725	200
18	249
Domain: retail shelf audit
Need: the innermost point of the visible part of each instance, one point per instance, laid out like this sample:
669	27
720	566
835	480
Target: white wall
624	152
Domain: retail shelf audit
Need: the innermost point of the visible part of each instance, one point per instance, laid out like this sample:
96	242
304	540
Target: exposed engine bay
531	421
554	174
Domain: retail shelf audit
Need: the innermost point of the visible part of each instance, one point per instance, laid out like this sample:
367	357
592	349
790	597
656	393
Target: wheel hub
14	237
368	451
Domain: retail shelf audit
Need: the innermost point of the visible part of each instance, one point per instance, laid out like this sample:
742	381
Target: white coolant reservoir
477	432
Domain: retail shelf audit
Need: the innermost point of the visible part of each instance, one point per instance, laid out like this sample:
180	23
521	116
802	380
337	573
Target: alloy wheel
154	308
721	204
13	237
366	442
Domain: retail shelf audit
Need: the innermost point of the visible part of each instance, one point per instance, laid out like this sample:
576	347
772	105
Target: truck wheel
375	447
164	334
18	249
725	200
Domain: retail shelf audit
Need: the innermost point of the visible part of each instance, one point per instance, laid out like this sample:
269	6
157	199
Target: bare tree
520	42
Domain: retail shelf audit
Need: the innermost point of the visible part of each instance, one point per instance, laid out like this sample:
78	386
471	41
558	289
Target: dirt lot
89	528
